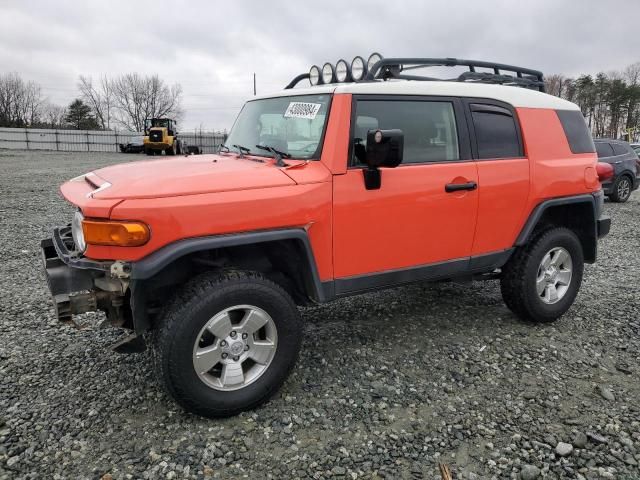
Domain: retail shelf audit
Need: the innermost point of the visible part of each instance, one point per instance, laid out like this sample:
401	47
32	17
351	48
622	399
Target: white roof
516	96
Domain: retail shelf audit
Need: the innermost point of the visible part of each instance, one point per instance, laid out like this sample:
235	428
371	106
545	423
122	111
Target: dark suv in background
626	167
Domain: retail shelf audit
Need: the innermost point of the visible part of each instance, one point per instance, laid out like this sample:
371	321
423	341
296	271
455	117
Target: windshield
292	125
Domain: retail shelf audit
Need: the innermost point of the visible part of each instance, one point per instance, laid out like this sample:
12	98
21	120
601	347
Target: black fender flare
595	203
150	265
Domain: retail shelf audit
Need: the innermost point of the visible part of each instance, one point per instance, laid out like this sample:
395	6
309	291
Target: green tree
79	116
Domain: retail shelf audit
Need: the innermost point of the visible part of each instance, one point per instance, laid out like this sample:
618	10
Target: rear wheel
541	280
171	150
227	343
148	151
621	189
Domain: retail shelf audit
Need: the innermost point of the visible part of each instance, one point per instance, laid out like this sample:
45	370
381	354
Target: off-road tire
615	196
518	280
202	298
171	150
148	151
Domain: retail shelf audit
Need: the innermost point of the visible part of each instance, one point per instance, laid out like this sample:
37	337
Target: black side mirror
384	149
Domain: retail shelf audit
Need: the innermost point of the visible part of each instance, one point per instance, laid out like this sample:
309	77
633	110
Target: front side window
292	125
429	128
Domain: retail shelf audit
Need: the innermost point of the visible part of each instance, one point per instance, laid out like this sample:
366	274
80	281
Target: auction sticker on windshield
302	110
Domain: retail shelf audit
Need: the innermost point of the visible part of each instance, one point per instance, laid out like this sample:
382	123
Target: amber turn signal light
120	234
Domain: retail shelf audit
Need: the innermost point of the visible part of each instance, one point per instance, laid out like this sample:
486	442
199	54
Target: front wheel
227	343
541	280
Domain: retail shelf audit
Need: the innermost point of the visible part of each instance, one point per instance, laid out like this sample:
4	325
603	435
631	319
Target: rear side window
604	149
620	149
496	132
576	131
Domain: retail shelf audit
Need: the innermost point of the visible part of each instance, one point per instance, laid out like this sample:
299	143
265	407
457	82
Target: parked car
352	185
135	145
626	168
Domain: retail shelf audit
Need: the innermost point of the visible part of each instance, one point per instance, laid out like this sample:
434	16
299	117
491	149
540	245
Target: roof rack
394	68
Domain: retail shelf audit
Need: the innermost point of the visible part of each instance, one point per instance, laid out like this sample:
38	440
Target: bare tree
139	97
20	102
555	84
99	98
53	115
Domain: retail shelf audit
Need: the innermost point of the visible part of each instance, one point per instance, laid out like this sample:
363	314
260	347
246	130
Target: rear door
503	175
412	227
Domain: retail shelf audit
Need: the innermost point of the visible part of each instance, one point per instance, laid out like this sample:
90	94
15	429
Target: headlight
358	69
342	71
327	73
77	233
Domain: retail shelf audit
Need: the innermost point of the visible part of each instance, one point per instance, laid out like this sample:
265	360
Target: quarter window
496	132
429	128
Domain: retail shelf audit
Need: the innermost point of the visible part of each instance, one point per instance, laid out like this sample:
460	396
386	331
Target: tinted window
604	149
576	130
429	128
496	132
620	149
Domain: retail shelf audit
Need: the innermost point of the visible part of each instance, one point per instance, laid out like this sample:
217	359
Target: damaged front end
80	285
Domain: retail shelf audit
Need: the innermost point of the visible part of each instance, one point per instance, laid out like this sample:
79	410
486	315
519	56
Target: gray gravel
388	384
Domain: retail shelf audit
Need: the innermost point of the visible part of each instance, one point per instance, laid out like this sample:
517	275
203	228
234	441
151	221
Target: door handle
456	187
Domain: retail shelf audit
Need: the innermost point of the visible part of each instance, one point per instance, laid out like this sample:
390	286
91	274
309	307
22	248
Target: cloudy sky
213	48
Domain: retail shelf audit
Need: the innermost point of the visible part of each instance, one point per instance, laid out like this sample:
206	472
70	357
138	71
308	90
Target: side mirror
384	149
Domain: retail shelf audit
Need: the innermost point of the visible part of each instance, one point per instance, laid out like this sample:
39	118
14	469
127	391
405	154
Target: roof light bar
343	72
358	68
314	76
328	73
374	58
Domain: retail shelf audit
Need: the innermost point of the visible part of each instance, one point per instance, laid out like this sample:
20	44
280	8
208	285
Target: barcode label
302	110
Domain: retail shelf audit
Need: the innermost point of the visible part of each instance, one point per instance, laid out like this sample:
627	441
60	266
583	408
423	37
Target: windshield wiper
277	154
242	150
221	146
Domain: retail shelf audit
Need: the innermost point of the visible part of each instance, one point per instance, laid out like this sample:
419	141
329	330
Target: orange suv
371	178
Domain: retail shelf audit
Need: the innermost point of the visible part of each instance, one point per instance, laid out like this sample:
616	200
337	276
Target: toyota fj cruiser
371	178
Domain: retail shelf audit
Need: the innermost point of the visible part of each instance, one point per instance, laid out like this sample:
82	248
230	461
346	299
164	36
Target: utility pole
254	84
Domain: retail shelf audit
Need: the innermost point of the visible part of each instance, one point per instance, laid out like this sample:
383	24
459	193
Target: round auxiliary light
314	75
358	68
373	59
328	73
342	71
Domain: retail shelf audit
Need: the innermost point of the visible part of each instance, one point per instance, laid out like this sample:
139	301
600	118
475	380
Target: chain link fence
93	140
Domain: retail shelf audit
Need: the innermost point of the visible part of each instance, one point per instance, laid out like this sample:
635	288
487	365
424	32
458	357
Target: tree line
610	102
121	102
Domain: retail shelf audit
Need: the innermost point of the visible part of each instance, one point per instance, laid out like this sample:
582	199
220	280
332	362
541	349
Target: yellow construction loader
161	135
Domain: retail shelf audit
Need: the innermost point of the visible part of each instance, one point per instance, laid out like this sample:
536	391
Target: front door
419	224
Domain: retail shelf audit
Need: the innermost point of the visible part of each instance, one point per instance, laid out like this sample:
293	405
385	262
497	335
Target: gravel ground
388	384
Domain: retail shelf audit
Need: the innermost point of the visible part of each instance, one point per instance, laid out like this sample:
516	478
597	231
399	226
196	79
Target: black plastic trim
61	278
537	213
449	269
155	262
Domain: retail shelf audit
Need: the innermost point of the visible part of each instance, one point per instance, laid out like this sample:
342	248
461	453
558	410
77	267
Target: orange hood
190	175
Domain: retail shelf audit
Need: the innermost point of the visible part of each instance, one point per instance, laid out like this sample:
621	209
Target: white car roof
516	96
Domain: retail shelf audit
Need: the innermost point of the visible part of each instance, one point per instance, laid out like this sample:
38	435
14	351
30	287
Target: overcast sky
213	48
